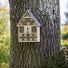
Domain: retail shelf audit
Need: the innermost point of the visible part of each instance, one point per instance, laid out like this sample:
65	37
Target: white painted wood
27	17
25	29
28	41
29	33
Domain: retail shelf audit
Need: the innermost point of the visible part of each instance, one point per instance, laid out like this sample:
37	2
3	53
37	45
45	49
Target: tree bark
32	55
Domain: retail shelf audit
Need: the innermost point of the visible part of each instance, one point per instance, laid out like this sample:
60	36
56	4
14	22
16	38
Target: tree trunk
32	55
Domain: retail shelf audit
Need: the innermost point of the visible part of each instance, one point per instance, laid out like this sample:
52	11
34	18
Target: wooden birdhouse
28	28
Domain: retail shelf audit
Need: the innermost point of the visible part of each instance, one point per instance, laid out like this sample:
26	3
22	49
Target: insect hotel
28	28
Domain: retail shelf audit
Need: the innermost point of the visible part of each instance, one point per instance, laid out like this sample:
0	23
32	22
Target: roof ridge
32	16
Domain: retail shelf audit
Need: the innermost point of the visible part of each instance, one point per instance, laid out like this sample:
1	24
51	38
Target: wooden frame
35	36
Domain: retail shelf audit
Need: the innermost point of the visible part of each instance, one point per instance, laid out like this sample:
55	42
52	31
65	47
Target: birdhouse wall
27	28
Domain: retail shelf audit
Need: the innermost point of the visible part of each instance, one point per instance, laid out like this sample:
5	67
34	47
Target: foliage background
56	60
4	37
64	36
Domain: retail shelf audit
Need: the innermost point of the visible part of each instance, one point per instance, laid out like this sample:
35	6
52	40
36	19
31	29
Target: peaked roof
32	17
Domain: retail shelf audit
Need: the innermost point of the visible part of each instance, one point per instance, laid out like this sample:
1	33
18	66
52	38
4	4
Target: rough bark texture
32	55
